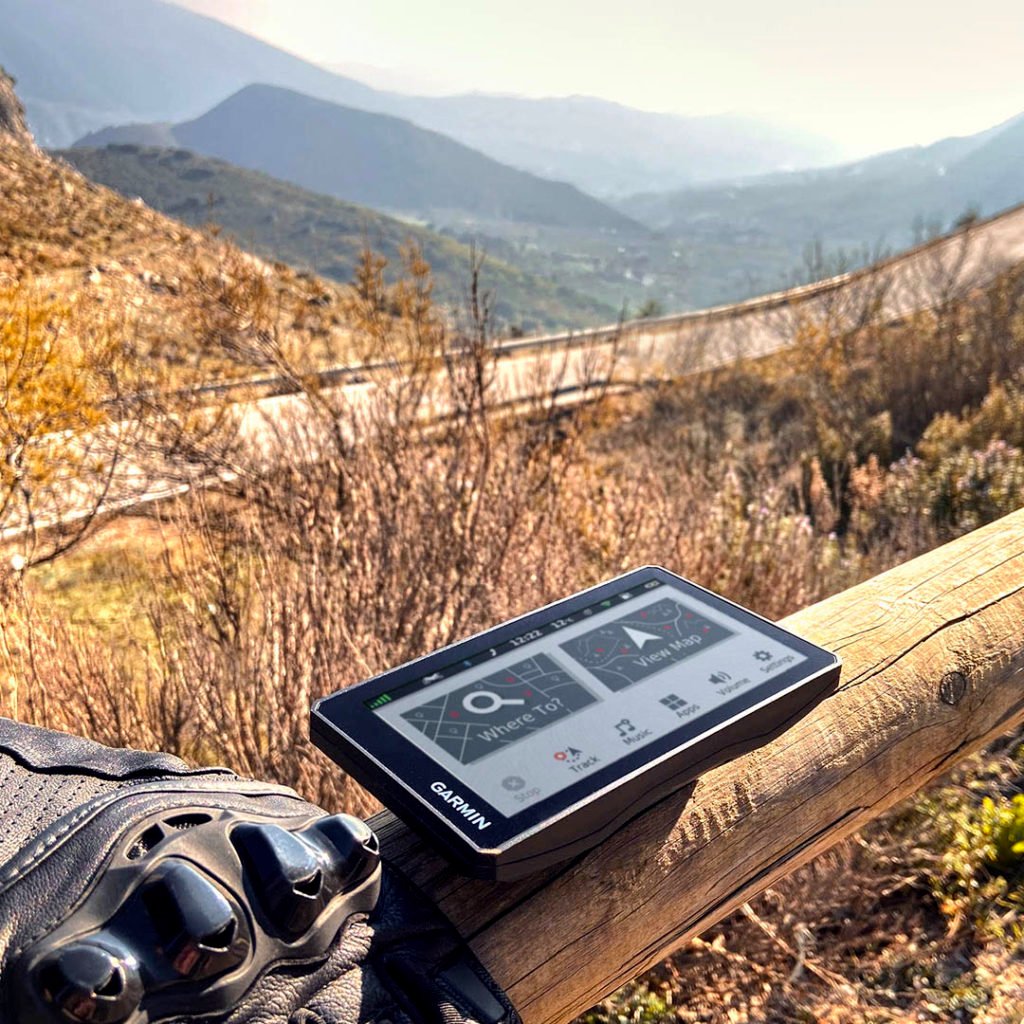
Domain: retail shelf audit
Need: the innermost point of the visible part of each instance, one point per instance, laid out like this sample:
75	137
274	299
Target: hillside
109	62
284	222
883	200
12	113
374	160
118	266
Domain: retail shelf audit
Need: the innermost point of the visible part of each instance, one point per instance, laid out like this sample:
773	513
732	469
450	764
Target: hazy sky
870	73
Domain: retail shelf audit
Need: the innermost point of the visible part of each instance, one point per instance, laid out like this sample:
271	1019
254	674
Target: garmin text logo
471	814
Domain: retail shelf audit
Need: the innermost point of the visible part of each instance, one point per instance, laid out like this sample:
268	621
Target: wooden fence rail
933	657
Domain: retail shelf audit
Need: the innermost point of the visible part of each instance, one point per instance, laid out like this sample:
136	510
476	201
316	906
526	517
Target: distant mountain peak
374	159
87	64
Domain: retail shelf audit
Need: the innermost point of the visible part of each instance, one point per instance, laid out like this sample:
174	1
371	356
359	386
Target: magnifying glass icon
482	702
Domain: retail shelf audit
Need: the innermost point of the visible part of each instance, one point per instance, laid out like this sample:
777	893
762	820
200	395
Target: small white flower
18	562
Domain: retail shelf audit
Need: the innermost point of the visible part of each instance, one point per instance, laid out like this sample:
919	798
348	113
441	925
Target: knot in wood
953	688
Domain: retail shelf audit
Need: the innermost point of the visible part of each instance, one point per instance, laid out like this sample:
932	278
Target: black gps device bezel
579	816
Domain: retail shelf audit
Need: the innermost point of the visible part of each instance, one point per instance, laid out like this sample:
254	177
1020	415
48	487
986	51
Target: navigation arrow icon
637	638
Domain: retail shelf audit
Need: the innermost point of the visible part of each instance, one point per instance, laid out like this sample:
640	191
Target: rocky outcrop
12	113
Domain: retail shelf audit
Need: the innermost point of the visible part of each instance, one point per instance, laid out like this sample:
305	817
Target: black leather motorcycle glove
134	889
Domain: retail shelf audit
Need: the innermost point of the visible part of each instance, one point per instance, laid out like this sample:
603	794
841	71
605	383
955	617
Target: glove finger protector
134	889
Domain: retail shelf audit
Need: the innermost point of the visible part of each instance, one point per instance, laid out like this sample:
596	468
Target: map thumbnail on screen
500	708
644	642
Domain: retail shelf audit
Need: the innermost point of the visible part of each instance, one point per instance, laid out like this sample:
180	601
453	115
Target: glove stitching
41	848
98	804
52	798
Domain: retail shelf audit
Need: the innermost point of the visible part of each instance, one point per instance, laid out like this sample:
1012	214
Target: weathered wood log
933	657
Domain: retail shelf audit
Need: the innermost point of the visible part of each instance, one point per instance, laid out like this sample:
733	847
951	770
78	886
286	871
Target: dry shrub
257	315
62	373
66	677
362	526
943	359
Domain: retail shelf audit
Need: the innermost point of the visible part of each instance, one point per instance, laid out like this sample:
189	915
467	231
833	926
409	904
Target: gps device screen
582	691
570	717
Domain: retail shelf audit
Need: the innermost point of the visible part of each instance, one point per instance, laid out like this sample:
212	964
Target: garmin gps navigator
533	741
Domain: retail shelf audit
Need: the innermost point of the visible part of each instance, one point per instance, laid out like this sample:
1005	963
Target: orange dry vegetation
157	280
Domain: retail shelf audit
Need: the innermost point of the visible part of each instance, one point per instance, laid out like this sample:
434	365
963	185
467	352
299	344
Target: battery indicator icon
379	702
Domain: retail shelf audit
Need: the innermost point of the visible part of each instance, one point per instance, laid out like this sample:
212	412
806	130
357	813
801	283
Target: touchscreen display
521	722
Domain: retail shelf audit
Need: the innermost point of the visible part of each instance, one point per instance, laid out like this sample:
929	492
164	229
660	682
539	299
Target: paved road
641	350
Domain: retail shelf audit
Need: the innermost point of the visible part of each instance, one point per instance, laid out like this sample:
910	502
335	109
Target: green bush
982	869
637	1003
971	488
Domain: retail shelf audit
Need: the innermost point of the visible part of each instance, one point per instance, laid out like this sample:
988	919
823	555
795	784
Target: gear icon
762	655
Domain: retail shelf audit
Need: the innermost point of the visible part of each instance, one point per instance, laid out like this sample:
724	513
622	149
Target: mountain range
702	246
87	64
372	159
165	77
